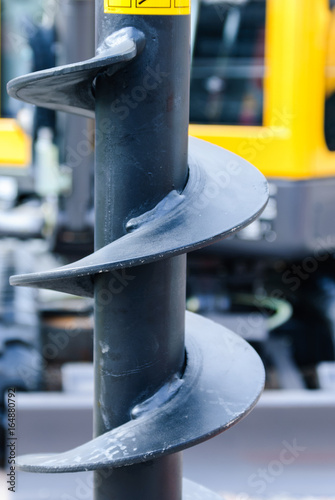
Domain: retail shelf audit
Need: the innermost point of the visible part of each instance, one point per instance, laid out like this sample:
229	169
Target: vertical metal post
141	155
77	36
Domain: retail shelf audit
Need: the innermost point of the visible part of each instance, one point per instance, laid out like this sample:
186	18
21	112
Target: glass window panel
228	63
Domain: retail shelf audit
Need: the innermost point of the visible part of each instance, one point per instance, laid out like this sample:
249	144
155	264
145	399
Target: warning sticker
148	7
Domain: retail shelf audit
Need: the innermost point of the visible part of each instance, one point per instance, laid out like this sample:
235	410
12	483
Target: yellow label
148	7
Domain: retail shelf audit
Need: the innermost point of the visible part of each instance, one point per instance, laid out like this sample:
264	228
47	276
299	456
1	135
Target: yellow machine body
15	144
299	75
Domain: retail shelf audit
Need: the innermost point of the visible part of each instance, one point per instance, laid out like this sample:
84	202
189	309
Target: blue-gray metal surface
232	463
199	404
70	88
223	194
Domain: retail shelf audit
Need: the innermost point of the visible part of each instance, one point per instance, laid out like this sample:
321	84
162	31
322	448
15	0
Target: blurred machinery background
262	86
45	218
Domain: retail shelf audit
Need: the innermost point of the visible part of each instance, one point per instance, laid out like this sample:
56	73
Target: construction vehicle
263	86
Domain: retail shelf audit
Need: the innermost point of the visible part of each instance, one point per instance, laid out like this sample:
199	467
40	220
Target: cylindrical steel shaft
152	202
141	156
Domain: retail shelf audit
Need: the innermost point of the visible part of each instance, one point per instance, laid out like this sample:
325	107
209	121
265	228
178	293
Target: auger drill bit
160	386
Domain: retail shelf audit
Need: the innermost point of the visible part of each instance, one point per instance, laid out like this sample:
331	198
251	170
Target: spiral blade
224	193
69	88
202	406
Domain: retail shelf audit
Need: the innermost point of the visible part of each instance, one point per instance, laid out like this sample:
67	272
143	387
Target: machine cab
262	86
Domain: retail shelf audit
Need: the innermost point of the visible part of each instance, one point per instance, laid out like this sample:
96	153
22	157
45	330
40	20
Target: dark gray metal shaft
141	155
